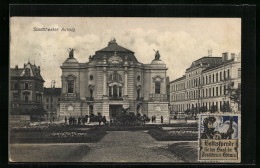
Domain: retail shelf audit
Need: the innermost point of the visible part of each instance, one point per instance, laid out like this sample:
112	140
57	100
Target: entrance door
114	110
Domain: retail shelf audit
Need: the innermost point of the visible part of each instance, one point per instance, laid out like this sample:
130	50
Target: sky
179	40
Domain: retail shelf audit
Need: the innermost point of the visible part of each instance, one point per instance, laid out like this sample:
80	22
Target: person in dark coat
79	122
65	120
70	120
152	119
161	119
104	120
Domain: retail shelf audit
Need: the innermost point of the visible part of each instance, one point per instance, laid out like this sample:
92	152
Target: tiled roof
52	91
218	65
178	79
113	46
210	61
112	49
15	72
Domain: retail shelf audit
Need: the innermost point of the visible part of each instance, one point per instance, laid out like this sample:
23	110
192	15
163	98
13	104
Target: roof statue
157	55
71	52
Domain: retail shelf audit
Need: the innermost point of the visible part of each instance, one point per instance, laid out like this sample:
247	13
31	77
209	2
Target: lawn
57	134
187	134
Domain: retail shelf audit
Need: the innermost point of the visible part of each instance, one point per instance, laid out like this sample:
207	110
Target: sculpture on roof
157	55
71	52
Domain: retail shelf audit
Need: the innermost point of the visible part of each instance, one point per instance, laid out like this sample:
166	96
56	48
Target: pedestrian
70	120
65	120
154	119
161	119
86	118
83	120
104	120
79	120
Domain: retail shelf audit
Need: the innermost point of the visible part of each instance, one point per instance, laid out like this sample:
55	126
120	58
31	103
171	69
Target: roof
113	46
178	79
112	49
218	65
52	91
14	72
157	62
209	61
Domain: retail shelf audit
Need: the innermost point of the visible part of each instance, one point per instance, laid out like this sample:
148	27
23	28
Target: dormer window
27	72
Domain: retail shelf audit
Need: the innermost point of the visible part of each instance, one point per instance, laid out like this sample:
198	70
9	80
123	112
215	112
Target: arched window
115	77
71	86
157	87
228	74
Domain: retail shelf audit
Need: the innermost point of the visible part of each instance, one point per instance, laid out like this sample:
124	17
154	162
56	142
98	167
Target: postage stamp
219	138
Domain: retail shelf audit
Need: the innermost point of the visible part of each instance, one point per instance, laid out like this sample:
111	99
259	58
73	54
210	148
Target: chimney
16	67
232	56
224	57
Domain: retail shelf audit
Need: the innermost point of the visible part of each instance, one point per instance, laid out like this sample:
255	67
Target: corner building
205	84
114	79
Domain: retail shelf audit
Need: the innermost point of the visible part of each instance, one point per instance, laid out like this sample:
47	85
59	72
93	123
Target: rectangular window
209	78
26	86
213	89
224	75
213	78
157	87
206	92
47	99
224	89
206	79
216	91
216	77
209	92
220	76
120	92
70	86
220	90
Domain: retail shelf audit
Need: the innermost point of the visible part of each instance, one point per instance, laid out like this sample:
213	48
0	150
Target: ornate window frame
70	77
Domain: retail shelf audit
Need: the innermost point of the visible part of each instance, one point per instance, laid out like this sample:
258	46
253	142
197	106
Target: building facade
51	99
205	85
26	89
113	79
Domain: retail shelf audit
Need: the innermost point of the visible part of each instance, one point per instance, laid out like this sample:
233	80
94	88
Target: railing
69	96
115	98
158	97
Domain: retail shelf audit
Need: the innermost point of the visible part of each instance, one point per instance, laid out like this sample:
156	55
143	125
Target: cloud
178	48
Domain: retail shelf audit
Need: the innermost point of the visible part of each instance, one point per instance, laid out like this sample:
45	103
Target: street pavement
116	146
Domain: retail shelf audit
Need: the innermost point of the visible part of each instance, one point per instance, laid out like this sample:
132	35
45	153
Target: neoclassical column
125	83
104	81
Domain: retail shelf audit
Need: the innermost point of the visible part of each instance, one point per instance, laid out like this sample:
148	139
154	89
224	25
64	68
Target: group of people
154	119
73	120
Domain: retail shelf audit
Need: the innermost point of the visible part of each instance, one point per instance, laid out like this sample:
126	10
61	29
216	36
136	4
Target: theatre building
113	79
205	85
